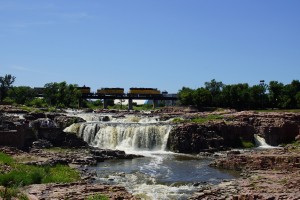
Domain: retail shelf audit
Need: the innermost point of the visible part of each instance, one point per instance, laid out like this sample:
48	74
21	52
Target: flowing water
159	174
261	143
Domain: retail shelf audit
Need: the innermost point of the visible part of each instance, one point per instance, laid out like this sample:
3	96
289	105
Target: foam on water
261	143
159	174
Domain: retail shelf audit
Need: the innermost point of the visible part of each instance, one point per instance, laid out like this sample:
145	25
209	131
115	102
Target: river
160	174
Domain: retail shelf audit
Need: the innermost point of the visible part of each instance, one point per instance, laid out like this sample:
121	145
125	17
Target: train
133	92
84	90
142	92
110	91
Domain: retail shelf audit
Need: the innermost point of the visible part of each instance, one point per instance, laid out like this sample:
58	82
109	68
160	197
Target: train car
110	91
143	92
84	90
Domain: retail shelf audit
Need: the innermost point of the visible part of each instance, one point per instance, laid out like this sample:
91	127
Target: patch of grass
6	159
97	197
199	120
60	174
10	193
296	144
22	174
247	144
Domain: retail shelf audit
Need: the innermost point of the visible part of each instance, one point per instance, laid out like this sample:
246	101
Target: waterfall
123	136
261	142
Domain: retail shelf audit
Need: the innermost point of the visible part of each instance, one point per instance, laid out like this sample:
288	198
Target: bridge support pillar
155	103
105	103
130	106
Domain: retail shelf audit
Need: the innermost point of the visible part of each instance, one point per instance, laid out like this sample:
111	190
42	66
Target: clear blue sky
165	44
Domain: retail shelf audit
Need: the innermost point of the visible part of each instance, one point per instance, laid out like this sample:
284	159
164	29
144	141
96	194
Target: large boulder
48	129
66	121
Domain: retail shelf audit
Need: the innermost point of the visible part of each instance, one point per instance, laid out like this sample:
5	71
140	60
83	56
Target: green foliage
199	120
60	174
185	96
215	89
21	94
11	193
22	175
62	95
5	84
97	197
6	159
247	144
37	102
92	104
242	96
202	97
143	107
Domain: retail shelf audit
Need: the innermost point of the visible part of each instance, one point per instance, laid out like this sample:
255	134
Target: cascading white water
123	136
261	142
149	177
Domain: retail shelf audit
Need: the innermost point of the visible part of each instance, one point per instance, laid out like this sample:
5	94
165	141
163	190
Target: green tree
62	95
275	93
5	83
215	89
202	97
21	94
289	93
297	97
258	97
185	96
239	96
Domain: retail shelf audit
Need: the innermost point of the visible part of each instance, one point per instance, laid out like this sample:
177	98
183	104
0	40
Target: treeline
242	96
61	95
214	94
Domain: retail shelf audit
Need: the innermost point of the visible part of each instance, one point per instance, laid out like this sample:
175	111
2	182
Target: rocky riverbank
265	174
233	130
78	158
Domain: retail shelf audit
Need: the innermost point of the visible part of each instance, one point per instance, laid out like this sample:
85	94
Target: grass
247	144
11	193
6	159
97	197
22	175
199	120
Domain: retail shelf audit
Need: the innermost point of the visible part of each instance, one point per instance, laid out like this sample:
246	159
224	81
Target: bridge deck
143	97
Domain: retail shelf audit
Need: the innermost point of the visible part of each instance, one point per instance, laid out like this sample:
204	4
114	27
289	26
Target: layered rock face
276	128
193	138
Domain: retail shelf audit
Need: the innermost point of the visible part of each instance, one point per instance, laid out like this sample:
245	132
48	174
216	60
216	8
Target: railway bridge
107	94
155	98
